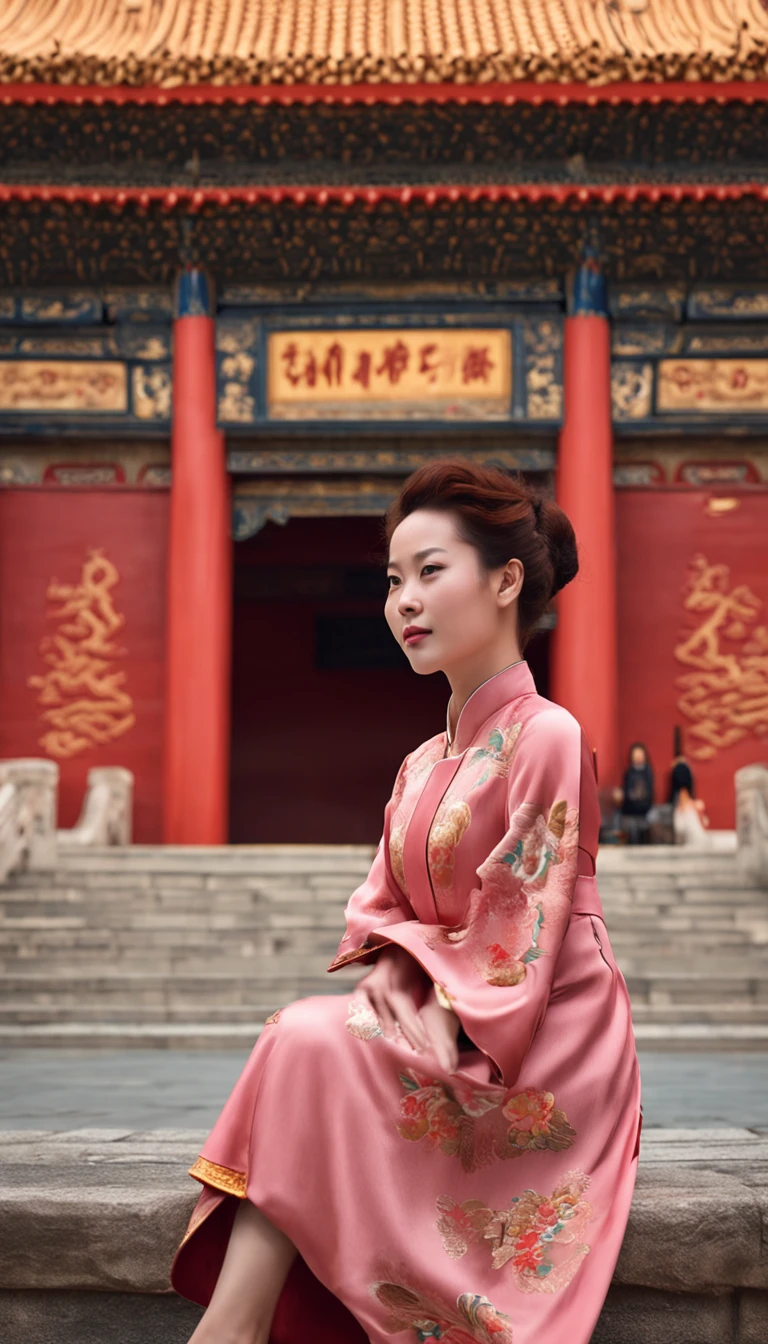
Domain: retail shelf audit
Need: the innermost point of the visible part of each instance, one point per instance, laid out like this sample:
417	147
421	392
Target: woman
688	812
637	795
449	1152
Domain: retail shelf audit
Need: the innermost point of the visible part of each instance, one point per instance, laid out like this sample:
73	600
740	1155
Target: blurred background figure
635	797
689	817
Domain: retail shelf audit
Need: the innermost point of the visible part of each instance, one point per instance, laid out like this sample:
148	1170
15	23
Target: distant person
688	813
636	795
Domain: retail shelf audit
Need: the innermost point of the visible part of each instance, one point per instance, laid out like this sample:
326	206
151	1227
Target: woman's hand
394	988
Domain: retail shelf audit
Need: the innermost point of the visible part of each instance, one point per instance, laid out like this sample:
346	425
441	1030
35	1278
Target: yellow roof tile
172	42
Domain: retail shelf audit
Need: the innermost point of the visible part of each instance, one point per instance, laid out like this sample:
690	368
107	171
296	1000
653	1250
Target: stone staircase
195	947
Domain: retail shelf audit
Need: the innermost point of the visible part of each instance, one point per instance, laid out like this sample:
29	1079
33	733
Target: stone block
722	1246
645	1316
753	1317
95	1318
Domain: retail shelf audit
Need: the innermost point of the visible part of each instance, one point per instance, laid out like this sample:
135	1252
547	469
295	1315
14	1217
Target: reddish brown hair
503	518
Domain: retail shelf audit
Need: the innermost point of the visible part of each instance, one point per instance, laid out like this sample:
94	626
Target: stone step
194	1035
144	984
110	907
217	860
694	989
145	987
257	1007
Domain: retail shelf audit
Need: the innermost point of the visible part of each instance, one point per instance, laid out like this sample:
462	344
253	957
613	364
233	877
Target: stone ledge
90	1213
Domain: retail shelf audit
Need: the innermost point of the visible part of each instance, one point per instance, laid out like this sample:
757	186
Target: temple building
258	261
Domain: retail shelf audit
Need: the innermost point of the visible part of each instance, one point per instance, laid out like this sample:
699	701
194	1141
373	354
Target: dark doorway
325	704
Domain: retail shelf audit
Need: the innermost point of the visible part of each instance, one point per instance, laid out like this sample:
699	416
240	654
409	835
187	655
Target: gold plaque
390	374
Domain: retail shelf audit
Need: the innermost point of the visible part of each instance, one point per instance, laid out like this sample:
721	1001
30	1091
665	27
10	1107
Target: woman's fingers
410	1023
442	1027
386	1020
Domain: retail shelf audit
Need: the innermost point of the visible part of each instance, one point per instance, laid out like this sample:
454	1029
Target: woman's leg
255	1268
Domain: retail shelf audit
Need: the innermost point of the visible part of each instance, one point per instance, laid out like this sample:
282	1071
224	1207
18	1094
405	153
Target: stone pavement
160	1089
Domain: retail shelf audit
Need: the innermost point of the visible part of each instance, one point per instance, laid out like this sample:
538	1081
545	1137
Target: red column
197	713
585	654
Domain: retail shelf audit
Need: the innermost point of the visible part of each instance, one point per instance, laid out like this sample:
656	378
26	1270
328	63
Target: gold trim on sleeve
354	955
221	1178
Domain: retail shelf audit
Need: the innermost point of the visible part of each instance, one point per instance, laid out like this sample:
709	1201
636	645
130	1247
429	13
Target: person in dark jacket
637	795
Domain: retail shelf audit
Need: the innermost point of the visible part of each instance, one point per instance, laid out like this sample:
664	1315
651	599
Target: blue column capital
194	294
588	291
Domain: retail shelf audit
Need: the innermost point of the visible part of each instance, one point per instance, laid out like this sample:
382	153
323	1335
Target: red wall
45	535
315	750
659	534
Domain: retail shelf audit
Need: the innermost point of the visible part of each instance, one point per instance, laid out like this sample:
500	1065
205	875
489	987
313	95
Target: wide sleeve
378	902
495	969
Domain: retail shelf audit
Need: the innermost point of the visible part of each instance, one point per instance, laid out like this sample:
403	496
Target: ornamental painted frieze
543	373
58	385
631	390
715	386
82	694
725	693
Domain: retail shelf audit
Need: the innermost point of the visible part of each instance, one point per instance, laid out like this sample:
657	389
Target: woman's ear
511	582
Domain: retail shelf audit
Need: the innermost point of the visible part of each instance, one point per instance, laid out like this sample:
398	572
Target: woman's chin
425	664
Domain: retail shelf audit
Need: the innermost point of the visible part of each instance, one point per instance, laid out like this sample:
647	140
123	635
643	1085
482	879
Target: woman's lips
417	636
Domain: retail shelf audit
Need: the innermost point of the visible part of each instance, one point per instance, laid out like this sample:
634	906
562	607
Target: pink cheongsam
484	1205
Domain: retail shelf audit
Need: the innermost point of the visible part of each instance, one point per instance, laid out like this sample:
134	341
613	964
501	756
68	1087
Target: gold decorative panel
725	694
713	385
83	692
48	386
428	373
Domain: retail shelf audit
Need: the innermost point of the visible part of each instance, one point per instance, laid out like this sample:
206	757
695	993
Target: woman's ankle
213	1331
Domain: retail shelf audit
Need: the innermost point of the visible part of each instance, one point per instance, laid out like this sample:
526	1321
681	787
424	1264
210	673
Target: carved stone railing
28	795
752	820
107	813
27	814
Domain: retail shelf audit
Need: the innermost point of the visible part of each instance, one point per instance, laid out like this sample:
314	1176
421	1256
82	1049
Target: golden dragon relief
725	695
82	692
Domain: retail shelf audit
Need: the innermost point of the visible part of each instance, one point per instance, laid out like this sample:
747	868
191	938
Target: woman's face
637	757
437	583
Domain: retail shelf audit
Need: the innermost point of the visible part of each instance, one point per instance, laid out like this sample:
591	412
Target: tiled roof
171	42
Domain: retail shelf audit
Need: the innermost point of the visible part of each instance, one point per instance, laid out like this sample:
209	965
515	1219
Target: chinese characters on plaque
390	374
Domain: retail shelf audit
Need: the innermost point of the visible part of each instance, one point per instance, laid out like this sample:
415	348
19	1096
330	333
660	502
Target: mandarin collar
508	684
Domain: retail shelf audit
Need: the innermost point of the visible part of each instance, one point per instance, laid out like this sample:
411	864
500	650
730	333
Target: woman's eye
426	567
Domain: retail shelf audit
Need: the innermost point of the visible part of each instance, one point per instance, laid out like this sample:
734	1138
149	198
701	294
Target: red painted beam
193	198
744	91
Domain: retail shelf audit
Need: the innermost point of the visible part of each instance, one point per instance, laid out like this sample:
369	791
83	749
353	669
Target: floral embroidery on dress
535	850
538	1236
450	824
497	756
396	839
479	1126
362	1021
474	1319
273	1017
525	881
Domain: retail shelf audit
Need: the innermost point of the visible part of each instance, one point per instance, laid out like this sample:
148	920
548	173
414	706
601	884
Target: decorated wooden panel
85	358
693	632
82	641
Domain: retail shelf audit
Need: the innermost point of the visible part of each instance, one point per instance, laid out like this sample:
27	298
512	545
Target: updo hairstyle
504	518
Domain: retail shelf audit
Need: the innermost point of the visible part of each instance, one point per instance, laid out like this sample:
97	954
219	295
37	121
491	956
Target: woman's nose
407	601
